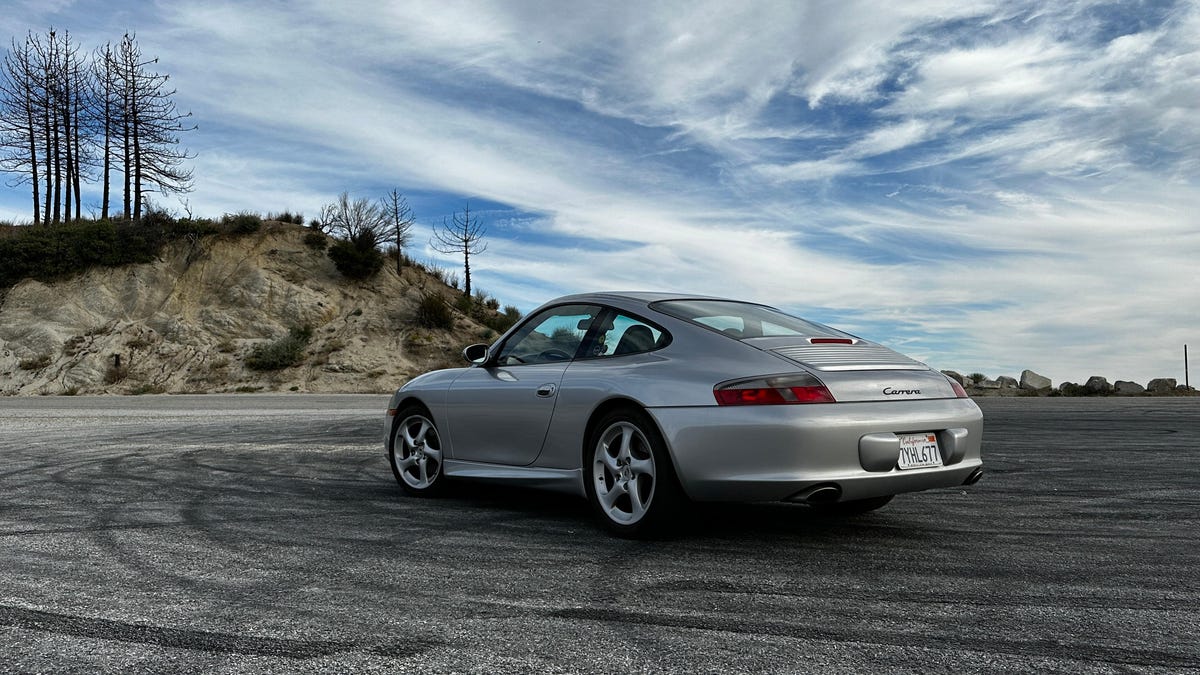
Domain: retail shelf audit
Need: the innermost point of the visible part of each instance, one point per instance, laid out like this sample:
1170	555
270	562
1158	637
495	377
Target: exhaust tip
825	493
974	477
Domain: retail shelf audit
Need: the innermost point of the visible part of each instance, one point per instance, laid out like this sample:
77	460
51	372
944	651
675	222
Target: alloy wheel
623	473
418	452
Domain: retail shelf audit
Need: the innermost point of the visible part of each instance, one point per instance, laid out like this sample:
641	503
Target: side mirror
476	353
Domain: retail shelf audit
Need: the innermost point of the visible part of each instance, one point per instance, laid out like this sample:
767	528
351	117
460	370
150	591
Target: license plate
919	451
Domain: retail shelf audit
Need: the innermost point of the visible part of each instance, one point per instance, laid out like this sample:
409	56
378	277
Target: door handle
547	390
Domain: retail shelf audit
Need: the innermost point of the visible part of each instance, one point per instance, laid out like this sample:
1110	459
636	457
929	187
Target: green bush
433	312
36	363
283	353
501	322
316	241
244	222
286	216
115	374
49	252
355	262
196	226
464	304
1072	389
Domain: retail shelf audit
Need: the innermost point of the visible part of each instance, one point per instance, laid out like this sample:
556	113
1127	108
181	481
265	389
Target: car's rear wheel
854	507
630	481
416	452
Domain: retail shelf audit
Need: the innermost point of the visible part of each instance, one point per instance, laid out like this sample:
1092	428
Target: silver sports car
642	402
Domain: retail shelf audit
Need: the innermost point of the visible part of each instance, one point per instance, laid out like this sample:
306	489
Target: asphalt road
266	534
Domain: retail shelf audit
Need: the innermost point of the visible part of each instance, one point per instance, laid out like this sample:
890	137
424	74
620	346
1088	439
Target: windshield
744	320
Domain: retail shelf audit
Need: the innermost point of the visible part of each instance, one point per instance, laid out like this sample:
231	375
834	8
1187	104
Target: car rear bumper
772	453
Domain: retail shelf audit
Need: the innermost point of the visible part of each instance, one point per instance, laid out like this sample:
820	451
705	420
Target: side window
623	334
730	325
740	327
550	336
771	330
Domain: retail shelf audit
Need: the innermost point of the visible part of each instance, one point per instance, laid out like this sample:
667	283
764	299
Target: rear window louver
849	357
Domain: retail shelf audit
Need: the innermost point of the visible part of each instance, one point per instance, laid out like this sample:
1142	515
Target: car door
499	412
617	358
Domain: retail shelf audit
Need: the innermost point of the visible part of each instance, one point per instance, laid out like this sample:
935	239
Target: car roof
637	296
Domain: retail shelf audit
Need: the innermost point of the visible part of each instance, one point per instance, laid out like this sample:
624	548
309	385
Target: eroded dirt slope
186	322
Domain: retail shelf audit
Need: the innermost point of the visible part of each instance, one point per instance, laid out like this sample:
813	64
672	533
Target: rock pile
1033	384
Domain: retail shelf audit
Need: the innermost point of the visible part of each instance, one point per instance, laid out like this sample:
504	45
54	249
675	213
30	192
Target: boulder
1072	389
1098	385
1034	382
987	384
1128	388
1162	385
1007	382
954	376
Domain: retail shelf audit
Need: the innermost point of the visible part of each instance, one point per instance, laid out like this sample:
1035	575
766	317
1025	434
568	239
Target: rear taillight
958	389
773	390
830	341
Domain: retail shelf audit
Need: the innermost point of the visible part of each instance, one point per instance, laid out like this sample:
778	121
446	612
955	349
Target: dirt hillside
186	323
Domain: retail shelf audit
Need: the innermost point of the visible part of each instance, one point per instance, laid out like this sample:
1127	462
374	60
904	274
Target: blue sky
987	186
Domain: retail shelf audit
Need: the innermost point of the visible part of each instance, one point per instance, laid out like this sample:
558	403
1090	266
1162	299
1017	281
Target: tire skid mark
179	523
197	640
1055	649
1175	604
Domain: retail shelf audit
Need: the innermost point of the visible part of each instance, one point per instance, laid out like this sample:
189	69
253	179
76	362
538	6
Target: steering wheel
553	355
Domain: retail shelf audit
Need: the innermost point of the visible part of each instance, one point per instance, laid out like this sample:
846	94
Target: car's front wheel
630	481
416	452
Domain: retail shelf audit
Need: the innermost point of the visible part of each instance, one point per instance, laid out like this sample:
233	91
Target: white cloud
892	138
988	81
809	170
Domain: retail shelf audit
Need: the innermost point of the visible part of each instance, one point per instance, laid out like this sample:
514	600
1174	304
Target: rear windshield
743	320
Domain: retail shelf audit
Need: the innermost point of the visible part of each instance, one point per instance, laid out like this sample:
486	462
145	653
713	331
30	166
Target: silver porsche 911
642	402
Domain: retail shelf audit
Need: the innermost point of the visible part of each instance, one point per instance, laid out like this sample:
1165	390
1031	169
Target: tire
630	481
415	452
854	507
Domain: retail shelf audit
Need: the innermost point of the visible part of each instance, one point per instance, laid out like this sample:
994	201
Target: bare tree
107	111
47	60
57	110
20	112
360	221
71	103
400	219
44	122
461	234
150	128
